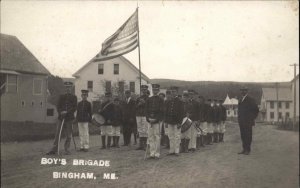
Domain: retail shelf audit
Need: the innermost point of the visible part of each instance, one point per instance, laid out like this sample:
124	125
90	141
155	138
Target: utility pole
294	102
277	102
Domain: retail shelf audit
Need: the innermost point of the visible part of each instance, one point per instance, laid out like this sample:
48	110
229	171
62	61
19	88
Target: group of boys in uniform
153	118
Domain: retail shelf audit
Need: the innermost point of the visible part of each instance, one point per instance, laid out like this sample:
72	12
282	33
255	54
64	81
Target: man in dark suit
128	118
67	105
247	112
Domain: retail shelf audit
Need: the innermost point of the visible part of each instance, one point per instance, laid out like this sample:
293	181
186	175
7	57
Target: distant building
115	75
293	82
23	82
231	107
276	104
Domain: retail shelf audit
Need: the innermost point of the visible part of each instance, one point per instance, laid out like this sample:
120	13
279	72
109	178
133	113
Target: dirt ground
274	162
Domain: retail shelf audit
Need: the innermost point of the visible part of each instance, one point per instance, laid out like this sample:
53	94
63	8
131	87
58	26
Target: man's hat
244	88
144	87
155	86
162	94
84	91
174	88
68	84
107	94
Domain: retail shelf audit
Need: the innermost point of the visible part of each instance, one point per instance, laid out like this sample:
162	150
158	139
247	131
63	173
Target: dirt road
274	162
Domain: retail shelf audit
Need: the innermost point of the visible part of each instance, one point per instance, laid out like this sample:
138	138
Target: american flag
124	40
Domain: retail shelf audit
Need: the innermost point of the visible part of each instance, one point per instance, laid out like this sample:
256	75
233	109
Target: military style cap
144	87
84	91
168	92
185	94
107	94
179	96
68	84
127	92
174	88
155	86
200	97
209	100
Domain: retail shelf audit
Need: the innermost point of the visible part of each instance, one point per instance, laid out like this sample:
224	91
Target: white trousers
142	126
174	137
223	127
83	128
154	139
192	143
210	128
217	127
106	130
116	130
203	126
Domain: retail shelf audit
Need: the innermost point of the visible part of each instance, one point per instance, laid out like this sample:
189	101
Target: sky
250	41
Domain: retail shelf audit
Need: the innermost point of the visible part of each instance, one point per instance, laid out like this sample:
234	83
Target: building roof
16	57
284	94
232	101
122	58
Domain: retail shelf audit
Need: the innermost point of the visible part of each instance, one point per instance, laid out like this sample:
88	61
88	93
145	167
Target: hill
219	89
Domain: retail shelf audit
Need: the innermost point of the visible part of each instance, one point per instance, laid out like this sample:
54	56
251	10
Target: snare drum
98	119
186	124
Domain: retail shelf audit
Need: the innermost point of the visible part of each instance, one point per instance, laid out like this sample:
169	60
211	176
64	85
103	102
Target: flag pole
140	72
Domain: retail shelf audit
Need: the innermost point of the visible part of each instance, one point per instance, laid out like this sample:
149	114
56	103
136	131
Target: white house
276	104
231	106
294	82
115	75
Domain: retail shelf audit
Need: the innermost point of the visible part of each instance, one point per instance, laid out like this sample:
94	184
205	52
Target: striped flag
124	40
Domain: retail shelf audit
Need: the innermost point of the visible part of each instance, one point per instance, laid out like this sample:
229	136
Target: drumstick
62	124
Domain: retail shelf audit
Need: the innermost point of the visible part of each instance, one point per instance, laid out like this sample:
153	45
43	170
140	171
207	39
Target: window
50	112
41	104
272	115
228	112
108	86
132	86
90	85
23	104
37	86
32	103
272	104
279	115
3	78
100	69
287	114
8	83
287	105
116	68
279	105
121	87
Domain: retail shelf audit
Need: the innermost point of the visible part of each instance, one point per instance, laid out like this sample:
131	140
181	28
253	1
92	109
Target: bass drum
98	119
186	124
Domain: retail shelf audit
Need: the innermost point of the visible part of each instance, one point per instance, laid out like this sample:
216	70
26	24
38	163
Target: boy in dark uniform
142	124
154	114
210	122
216	120
203	107
173	116
193	114
117	122
67	105
83	117
222	123
107	111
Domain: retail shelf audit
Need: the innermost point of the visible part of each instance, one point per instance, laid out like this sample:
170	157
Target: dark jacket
173	111
67	102
107	112
247	111
193	110
223	113
203	110
129	111
154	108
84	111
141	105
210	114
118	116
